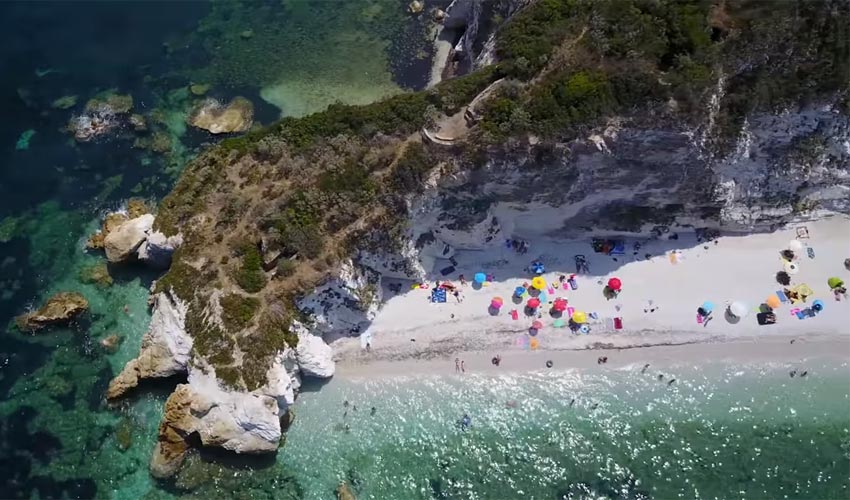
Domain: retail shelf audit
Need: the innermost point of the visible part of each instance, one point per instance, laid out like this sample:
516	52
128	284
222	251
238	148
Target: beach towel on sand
514	315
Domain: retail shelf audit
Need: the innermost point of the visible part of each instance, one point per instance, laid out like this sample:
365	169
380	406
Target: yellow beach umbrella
538	283
579	317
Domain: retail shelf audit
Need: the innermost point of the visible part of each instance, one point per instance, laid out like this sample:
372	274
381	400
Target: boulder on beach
59	309
157	249
315	357
121	243
216	118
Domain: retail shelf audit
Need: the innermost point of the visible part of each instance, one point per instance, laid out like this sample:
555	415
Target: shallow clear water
717	432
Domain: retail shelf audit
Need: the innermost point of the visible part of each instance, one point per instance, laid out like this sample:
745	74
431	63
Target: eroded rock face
345	303
122	242
216	118
59	309
235	421
166	347
157	249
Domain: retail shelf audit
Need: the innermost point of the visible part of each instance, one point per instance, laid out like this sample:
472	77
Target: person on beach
462	367
462	279
497	359
457	365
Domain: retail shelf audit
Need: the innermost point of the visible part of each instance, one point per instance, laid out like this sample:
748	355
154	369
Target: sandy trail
411	328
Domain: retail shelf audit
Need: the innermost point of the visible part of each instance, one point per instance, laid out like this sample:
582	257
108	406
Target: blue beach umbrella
520	291
707	307
538	268
480	277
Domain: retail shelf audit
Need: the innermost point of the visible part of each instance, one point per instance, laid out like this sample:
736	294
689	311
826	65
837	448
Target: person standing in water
457	365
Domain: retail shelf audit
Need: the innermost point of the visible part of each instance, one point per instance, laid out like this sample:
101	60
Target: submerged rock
165	347
97	274
64	102
121	243
111	343
59	309
199	89
216	118
343	492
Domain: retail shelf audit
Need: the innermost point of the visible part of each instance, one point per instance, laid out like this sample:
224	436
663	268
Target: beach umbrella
739	309
519	291
480	277
783	278
834	282
537	325
795	246
543	297
817	306
496	303
773	302
615	284
534	302
533	343
791	267
560	305
707	307
559	323
538	282
579	317
538	268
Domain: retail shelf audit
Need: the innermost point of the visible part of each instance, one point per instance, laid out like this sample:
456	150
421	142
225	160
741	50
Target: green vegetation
271	337
299	227
249	275
411	170
286	268
237	311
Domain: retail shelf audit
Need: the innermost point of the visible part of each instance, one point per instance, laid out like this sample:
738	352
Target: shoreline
809	350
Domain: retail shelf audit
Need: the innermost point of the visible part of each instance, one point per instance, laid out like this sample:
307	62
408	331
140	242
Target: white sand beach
658	305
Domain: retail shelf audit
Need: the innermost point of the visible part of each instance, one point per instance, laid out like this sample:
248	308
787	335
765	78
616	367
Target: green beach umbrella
559	323
834	282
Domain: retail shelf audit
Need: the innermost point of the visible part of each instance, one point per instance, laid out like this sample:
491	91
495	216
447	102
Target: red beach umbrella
560	305
615	284
534	303
537	325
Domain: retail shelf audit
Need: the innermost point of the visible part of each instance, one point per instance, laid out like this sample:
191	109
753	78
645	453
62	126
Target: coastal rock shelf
59	309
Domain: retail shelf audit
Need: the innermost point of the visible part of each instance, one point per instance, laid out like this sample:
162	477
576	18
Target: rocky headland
729	116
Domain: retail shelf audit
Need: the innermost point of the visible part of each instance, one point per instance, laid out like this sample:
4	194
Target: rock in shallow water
60	308
216	118
165	347
121	243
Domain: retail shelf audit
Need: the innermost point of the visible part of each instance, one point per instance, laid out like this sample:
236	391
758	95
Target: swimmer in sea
644	368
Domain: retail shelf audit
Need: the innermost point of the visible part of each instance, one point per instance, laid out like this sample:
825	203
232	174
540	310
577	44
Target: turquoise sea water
715	433
720	431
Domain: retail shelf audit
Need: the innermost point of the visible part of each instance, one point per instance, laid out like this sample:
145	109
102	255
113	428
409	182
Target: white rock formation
122	242
314	356
283	380
157	249
236	421
166	347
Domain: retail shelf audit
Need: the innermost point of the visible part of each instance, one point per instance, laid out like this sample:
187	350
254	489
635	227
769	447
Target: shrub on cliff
249	275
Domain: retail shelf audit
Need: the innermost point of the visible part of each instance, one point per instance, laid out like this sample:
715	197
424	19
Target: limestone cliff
728	115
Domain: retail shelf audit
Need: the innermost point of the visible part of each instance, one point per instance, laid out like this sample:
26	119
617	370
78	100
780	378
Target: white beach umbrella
791	267
739	309
795	246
